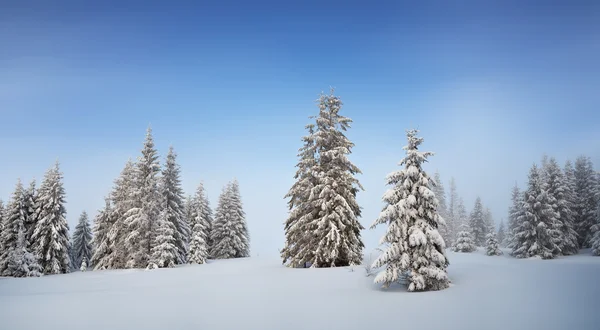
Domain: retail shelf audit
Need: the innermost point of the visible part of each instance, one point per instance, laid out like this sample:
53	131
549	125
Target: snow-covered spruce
164	250
595	242
141	218
175	208
82	241
413	244
501	234
560	190
464	241
534	232
102	245
84	265
229	233
335	227
492	246
14	219
299	237
21	262
514	212
490	226
585	201
462	218
30	216
200	221
440	194
452	222
50	237
477	223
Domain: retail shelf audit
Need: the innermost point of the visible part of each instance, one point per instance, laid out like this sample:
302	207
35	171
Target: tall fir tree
229	234
514	212
337	239
452	216
82	241
534	233
142	217
299	227
413	244
440	193
51	233
14	219
103	223
200	222
464	240
122	200
585	204
477	223
30	205
558	190
501	235
175	204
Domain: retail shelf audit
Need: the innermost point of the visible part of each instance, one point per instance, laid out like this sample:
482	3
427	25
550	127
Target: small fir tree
477	223
492	246
464	241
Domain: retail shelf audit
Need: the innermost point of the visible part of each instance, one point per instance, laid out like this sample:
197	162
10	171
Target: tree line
146	223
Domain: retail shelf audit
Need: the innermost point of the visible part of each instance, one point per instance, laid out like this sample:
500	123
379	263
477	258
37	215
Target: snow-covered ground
258	293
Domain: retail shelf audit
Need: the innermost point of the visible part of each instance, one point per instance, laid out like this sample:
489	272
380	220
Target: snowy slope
487	293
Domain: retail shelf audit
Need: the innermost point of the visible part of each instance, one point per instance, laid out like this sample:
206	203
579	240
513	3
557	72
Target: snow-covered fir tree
100	239
414	247
84	265
514	212
462	218
30	218
50	236
558	189
464	240
122	199
200	222
585	203
535	230
595	241
299	230
142	217
492	245
164	249
172	193
22	263
477	223
82	241
490	227
336	237
501	234
452	216
229	232
14	219
440	194
187	211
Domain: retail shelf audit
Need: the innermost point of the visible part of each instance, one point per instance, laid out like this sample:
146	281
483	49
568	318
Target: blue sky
492	85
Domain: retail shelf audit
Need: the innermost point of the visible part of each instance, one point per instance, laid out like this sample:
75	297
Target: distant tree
462	218
492	246
50	237
559	190
174	204
141	218
514	212
200	221
229	234
82	240
14	219
452	222
477	223
100	240
534	233
413	244
585	203
464	241
502	234
440	193
490	227
1	224
595	242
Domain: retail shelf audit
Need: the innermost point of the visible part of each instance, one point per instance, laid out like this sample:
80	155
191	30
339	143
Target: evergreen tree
534	233
299	229
142	217
558	190
201	218
514	212
585	204
82	240
122	199
438	189
30	218
452	216
336	233
174	204
502	234
164	250
187	211
84	265
230	233
595	241
462	218
490	227
492	246
414	245
14	219
51	233
464	241
100	240
22	263
1	225
477	223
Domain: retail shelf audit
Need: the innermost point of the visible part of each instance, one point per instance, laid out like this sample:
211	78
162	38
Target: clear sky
492	85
